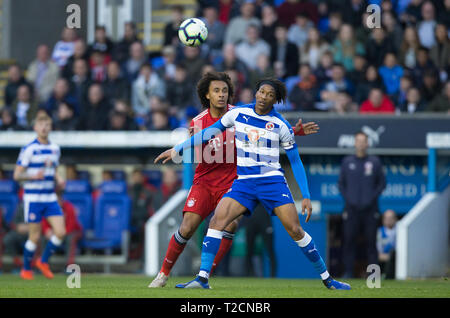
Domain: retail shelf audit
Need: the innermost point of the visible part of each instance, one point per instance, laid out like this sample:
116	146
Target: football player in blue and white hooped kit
36	168
260	131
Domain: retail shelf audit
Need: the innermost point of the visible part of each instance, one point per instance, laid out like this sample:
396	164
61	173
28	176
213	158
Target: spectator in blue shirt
386	236
391	72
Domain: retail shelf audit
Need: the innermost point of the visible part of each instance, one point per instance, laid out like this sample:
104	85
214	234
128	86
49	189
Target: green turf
123	286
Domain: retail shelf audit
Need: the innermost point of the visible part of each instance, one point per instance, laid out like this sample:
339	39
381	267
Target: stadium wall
422	247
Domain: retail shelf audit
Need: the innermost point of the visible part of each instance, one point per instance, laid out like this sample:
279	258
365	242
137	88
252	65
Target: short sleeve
228	119
287	139
24	157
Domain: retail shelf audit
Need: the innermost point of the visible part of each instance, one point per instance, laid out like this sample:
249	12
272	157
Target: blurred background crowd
326	52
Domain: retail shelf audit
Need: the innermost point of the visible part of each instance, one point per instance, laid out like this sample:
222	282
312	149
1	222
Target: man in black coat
284	51
361	182
94	114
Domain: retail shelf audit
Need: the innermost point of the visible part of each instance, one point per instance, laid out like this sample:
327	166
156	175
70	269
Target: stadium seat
112	217
8	199
78	192
119	175
154	177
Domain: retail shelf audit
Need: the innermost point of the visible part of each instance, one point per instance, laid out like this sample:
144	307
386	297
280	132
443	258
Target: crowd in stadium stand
326	52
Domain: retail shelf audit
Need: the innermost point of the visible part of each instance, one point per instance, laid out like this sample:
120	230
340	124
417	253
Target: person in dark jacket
361	182
94	114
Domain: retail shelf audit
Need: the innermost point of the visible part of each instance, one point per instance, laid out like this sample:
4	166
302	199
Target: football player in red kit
215	172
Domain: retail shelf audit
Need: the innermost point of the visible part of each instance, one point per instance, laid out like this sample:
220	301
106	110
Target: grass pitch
135	286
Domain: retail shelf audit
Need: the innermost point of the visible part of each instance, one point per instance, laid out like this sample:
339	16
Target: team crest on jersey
191	203
32	216
270	126
368	168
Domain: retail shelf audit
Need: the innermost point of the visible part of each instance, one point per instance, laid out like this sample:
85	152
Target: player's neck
217	112
262	111
42	140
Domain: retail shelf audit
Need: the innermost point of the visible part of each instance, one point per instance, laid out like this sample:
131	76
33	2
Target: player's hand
309	128
61	183
39	175
166	156
306	207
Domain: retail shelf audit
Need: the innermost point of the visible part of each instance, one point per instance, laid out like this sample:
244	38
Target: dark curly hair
205	81
280	88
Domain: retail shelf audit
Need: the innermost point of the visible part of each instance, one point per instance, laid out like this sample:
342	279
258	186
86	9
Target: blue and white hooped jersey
35	157
258	140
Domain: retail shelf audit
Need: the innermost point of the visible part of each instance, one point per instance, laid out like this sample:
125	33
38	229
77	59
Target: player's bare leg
34	234
288	216
59	231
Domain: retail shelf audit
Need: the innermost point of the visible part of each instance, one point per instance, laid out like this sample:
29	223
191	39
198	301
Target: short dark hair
205	81
362	133
280	88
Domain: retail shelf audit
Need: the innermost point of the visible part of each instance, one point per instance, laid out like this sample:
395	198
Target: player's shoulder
201	115
281	120
31	145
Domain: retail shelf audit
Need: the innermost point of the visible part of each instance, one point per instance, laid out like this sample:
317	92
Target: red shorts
202	200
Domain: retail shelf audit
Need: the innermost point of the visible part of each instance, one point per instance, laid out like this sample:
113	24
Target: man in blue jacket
361	182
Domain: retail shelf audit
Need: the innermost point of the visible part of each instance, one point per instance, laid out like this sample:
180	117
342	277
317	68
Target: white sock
304	241
30	246
204	274
55	240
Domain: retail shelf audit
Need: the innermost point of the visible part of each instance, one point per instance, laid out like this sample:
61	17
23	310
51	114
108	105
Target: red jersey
217	158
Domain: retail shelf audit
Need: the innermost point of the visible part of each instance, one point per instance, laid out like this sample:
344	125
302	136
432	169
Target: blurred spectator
145	86
237	28
98	63
431	85
246	96
61	93
263	69
216	32
252	47
358	74
269	20
335	24
71	172
65	118
121	50
159	120
444	14
143	198
15	79
298	32
74	230
179	90
171	28
345	47
193	62
284	51
79	52
16	236
228	9
363	32
167	70
170	184
304	94
115	86
80	80
393	29
361	182
64	48
409	47
425	28
123	107
42	73
313	49
119	121
133	64
324	70
441	103
423	65
412	13
371	80
102	43
413	102
378	46
391	72
352	11
440	52
331	91
386	240
289	9
406	83
24	107
232	62
94	114
8	120
377	102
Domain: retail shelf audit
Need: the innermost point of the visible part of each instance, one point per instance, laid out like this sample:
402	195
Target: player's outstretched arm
300	176
20	174
197	139
309	128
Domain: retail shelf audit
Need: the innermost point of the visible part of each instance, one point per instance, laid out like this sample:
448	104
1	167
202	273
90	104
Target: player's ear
207	96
